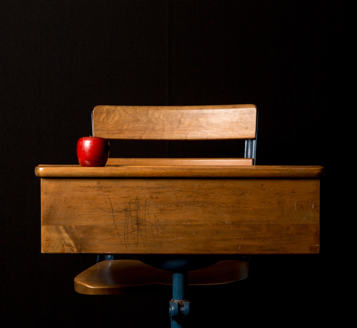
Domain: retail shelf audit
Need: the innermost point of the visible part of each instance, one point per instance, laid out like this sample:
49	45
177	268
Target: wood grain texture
176	171
179	161
180	216
118	277
175	122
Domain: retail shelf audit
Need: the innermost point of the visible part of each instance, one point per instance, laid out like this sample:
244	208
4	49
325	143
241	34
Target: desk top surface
179	171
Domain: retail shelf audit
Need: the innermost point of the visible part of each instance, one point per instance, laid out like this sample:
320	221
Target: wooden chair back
215	122
175	122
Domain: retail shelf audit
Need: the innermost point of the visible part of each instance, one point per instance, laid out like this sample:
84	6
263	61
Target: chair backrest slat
180	161
175	122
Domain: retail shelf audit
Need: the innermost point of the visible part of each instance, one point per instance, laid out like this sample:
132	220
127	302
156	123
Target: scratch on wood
180	121
295	206
313	205
176	238
115	225
230	223
302	223
136	118
139	223
139	231
241	242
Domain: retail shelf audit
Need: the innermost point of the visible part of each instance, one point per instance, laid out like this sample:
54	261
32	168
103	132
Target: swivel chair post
179	307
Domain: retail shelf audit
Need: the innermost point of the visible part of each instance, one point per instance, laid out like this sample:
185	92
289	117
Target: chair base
118	277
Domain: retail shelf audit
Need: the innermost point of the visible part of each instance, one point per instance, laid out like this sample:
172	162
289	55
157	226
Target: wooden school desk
201	209
187	208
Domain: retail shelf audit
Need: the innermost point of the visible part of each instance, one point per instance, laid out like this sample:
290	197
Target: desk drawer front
180	216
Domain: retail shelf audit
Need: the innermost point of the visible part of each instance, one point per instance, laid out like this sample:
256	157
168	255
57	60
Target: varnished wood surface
180	216
184	171
175	122
122	276
179	161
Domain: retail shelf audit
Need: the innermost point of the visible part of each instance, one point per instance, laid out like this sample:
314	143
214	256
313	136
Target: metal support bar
179	307
250	150
179	283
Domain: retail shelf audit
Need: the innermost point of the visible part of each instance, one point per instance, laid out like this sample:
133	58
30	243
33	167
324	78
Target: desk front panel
180	216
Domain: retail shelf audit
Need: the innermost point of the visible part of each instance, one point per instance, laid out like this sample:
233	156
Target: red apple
92	151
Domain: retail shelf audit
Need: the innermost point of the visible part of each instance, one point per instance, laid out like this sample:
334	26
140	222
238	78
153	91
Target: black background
59	59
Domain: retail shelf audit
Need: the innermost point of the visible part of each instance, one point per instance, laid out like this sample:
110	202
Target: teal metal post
179	306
